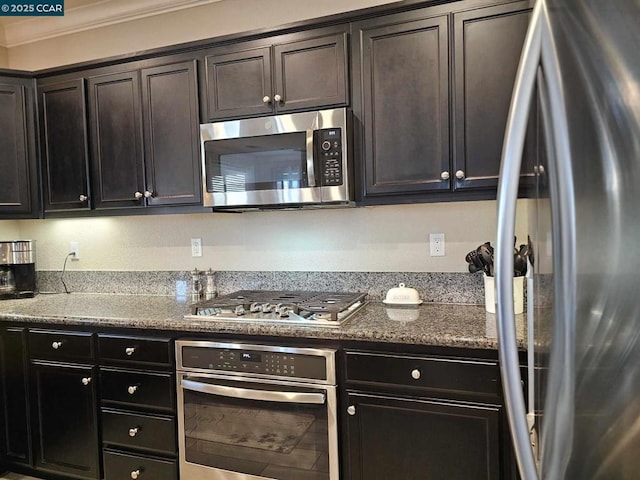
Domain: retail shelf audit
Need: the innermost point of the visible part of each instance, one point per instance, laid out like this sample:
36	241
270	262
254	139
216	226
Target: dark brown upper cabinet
18	180
401	109
487	46
144	128
300	71
64	146
171	134
116	135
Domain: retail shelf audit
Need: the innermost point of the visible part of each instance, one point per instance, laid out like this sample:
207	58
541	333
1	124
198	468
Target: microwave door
261	170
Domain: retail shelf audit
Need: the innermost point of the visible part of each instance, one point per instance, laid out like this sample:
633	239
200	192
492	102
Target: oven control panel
251	361
330	154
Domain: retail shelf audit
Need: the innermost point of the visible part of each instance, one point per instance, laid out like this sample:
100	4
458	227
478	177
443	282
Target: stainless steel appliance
254	412
581	56
279	161
17	269
328	309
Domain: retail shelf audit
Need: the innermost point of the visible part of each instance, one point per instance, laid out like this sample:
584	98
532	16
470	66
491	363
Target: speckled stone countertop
455	325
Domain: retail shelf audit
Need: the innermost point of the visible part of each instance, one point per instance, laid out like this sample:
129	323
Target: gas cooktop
329	309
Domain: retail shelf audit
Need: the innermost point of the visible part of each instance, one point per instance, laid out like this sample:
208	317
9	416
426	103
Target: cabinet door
417	439
488	43
116	139
311	73
66	427
402	70
65	151
15	188
16	440
239	83
172	134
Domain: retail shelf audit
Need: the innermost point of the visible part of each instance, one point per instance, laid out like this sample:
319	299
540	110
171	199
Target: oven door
237	429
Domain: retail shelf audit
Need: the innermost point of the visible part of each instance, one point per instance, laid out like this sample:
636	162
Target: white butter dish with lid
402	296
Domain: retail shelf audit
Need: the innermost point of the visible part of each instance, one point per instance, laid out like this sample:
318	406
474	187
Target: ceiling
81	15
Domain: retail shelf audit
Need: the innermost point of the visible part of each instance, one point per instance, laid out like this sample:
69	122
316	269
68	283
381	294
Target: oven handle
265	395
311	175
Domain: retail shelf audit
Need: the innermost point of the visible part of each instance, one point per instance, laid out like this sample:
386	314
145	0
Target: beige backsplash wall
386	238
9	230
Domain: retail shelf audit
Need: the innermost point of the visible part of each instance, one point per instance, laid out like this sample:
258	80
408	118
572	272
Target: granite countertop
468	326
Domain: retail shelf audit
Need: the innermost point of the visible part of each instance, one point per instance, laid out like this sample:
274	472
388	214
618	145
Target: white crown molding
96	15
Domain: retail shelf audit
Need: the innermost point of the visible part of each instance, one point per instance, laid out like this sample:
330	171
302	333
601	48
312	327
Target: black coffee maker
17	269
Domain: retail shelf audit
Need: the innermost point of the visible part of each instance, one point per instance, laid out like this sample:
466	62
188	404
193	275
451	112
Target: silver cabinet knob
460	174
86	380
56	345
266	99
138	195
444	175
277	98
351	410
148	194
132	389
83	198
135	474
129	350
134	431
415	374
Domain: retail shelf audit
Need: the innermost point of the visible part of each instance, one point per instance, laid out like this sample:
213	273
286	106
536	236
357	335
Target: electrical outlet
196	247
74	247
436	244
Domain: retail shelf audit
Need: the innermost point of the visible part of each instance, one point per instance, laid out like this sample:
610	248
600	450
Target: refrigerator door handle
507	196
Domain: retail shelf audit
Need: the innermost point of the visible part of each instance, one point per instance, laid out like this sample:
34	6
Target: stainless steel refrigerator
580	70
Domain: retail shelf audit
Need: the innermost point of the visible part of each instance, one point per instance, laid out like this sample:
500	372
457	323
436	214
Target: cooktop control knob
326	145
239	310
283	310
255	307
267	308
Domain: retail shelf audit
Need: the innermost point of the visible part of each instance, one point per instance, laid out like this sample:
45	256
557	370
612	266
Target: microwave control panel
330	154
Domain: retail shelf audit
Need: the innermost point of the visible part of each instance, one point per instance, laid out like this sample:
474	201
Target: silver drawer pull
56	345
132	389
129	350
86	380
136	474
415	374
351	410
134	431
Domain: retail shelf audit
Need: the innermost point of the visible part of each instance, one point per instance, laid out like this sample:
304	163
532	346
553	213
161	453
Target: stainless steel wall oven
255	412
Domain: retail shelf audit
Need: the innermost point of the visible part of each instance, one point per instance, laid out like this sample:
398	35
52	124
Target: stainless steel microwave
294	160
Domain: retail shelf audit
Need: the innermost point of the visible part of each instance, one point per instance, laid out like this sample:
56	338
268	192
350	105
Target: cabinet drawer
134	350
142	431
122	466
424	373
56	345
142	389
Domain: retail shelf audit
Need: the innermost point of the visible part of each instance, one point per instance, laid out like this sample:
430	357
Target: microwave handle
311	174
248	394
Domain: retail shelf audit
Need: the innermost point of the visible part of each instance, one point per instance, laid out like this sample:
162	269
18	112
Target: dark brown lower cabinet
415	439
121	465
65	409
15	445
